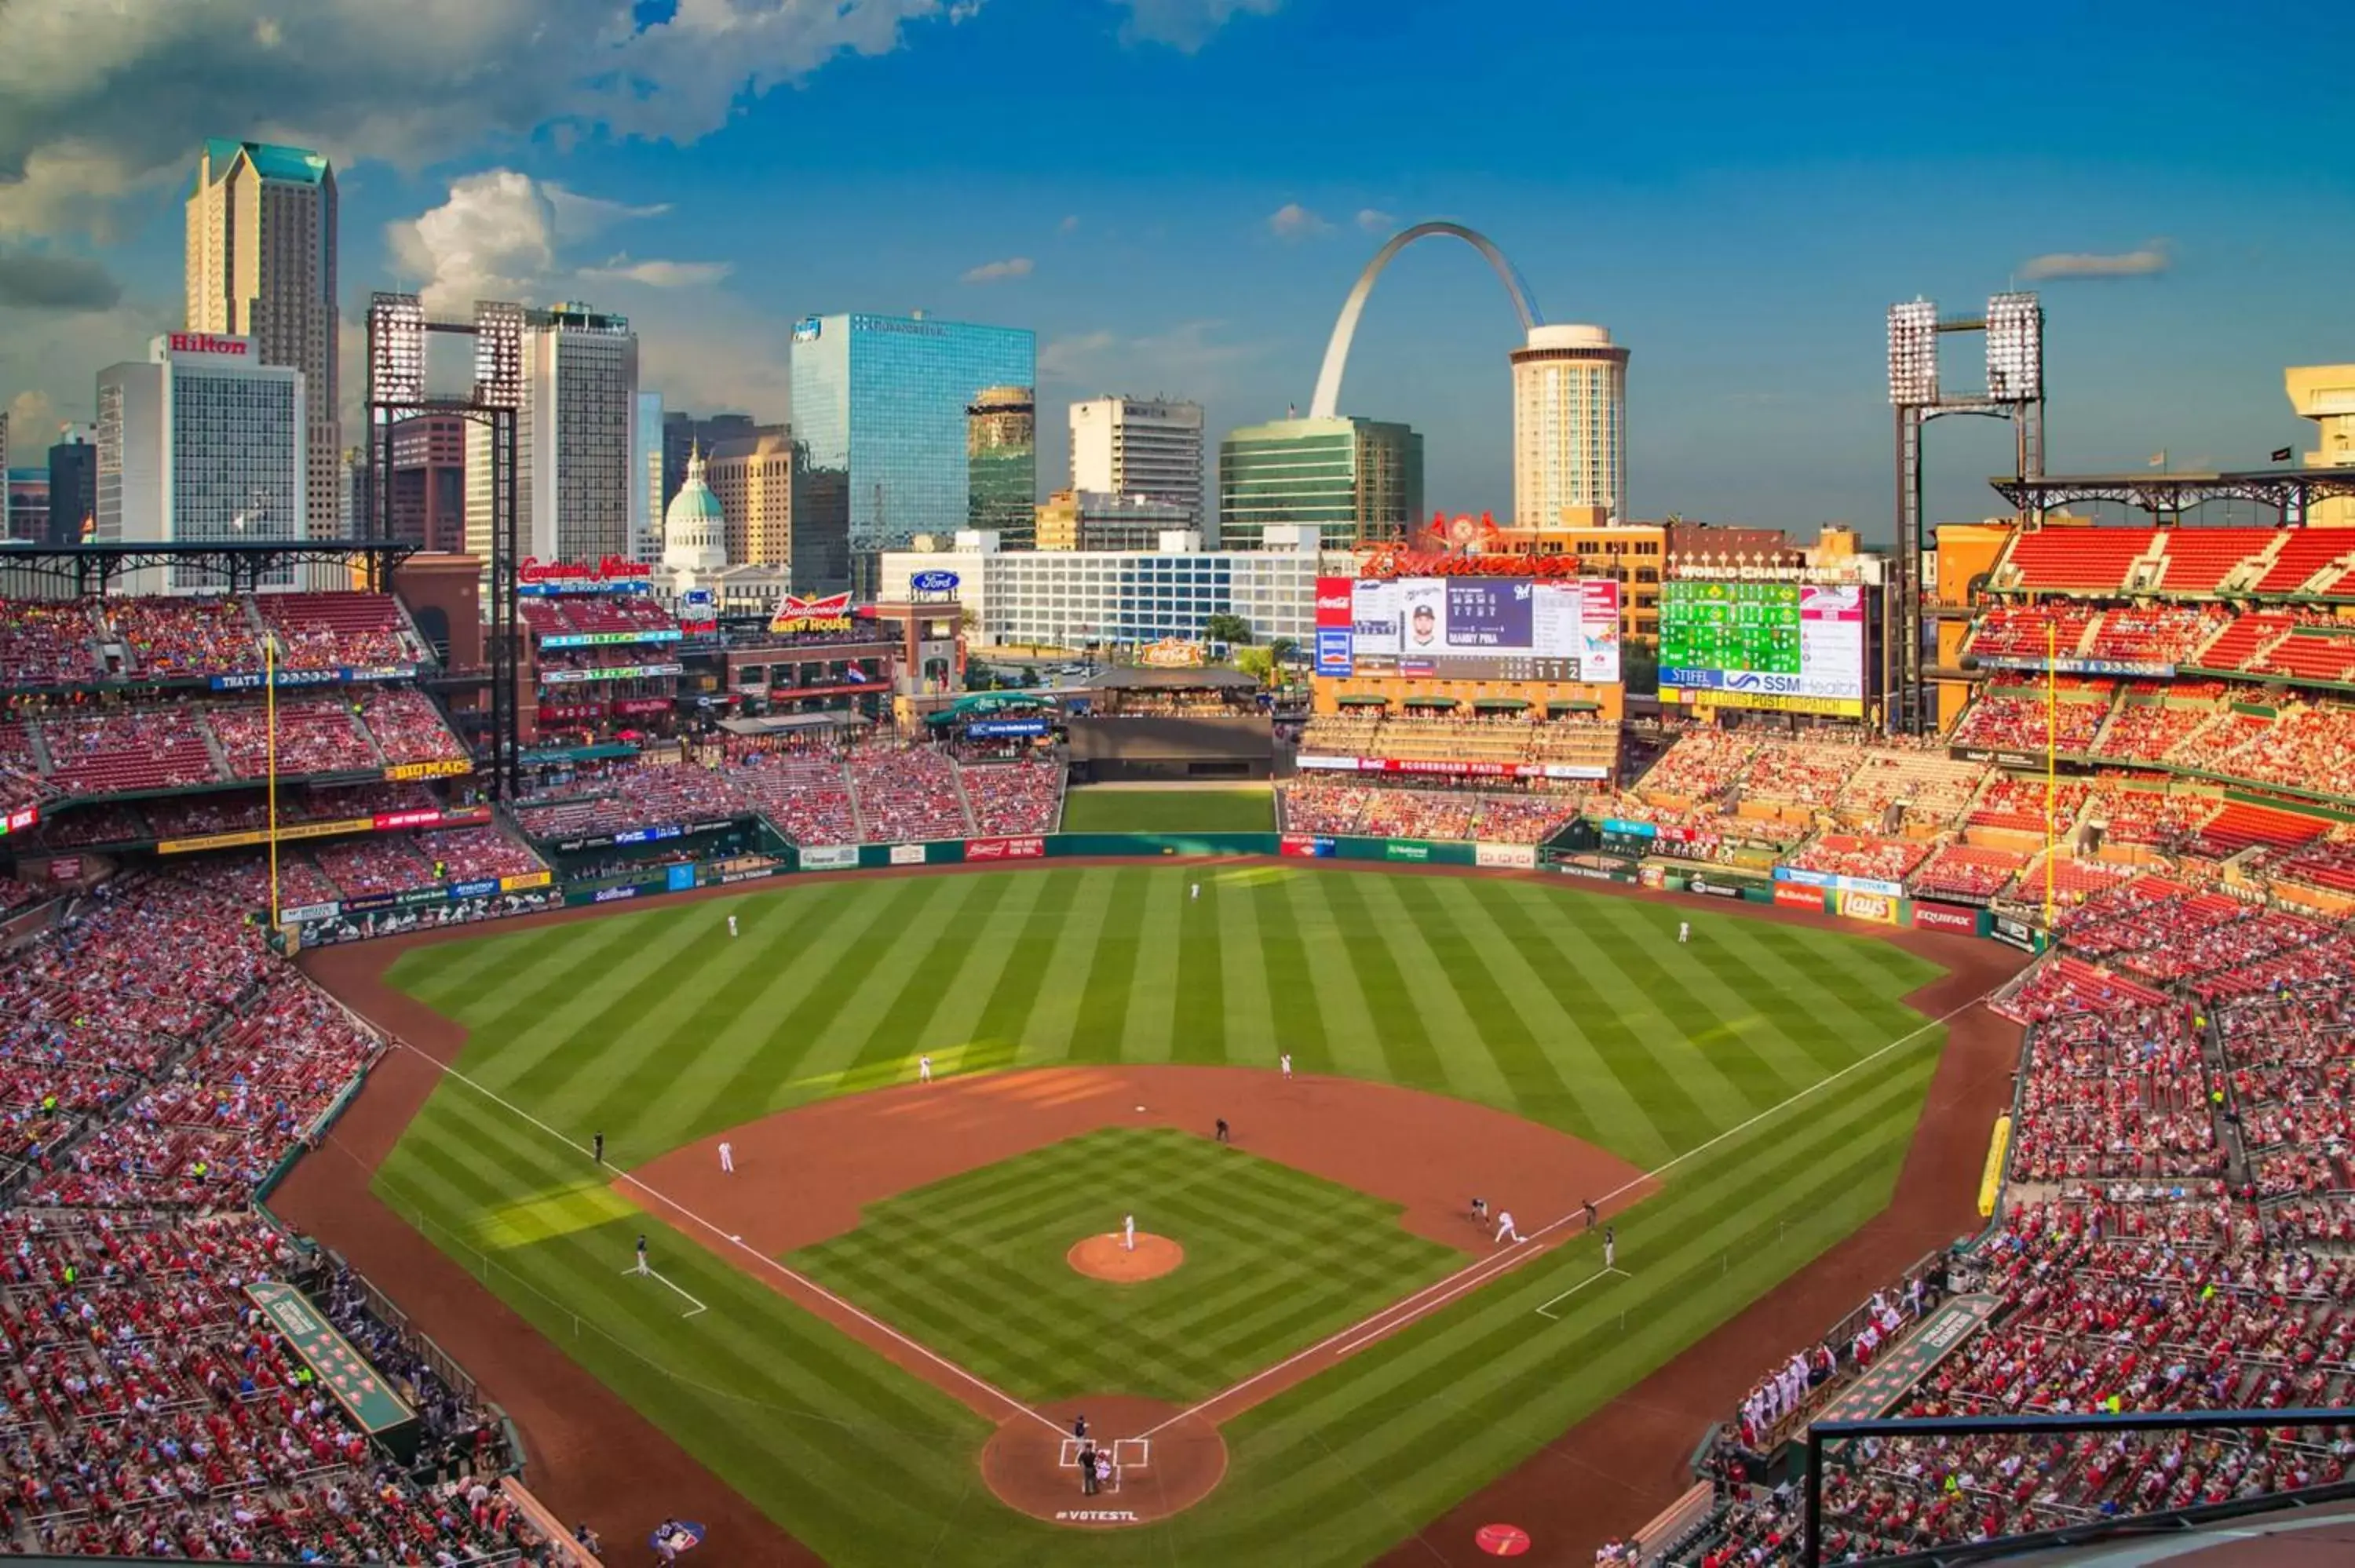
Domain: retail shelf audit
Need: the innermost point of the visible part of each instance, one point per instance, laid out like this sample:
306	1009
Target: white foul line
811	1286
1473	1275
1598	1274
658	1274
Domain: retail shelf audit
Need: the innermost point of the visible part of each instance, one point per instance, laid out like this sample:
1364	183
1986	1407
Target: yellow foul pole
270	744
2051	753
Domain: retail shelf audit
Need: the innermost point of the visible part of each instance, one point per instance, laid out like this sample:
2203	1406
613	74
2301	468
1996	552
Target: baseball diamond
889	1302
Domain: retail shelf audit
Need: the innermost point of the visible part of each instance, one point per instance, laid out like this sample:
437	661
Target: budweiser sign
206	343
796	614
611	569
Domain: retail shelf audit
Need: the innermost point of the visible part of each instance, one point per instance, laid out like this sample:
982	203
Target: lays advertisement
1877	907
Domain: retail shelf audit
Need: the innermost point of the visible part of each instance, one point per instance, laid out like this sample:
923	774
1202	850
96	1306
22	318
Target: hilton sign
206	343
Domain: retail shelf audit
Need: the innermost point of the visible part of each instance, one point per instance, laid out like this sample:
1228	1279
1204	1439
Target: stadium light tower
2013	330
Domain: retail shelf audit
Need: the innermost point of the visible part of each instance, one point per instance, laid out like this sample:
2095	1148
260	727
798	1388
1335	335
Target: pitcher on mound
1128	1233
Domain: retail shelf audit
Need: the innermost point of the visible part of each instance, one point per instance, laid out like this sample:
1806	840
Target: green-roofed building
261	264
1356	481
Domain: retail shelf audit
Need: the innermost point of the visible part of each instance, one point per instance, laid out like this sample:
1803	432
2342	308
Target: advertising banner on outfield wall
1791	896
907	855
1806	878
1708	888
1879	908
1303	846
1029	848
1404	849
2014	933
829	857
1515	857
1945	917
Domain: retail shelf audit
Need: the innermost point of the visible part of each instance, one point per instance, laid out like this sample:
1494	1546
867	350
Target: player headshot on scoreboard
1422	627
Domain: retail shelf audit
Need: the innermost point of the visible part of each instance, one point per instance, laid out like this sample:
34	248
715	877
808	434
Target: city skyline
1747	248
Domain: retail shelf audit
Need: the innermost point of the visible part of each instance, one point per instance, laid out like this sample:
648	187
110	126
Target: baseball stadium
641	1082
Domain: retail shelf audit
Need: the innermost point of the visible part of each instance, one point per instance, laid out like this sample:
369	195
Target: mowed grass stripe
871	1000
962	948
1566	996
1149	1033
1405	911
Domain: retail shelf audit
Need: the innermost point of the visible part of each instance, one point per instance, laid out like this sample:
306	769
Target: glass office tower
879	416
1001	466
1359	480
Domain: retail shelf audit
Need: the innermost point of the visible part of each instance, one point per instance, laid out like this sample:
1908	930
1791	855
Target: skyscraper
1360	481
880	409
578	482
647	501
1139	446
1001	452
73	486
261	264
1570	424
682	430
752	475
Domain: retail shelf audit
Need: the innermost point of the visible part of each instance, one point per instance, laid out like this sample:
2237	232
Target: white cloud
999	272
576	217
2148	262
1070	225
1373	220
1189	360
94	109
33	421
1294	221
493	239
1186	25
656	274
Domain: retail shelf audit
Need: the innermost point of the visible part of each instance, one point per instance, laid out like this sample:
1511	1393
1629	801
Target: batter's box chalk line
658	1274
1127	1454
1546	1309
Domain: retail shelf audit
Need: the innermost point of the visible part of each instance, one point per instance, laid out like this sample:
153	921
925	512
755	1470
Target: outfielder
1197	894
1128	1233
1684	931
727	1157
1505	1225
924	1069
732	924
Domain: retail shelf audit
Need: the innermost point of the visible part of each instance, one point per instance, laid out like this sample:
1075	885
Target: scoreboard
1798	647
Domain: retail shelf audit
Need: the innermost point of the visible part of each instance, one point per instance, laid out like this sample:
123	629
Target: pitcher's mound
1032	1465
1102	1257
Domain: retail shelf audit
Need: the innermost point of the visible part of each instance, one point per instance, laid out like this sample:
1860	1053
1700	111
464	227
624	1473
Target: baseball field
867	1327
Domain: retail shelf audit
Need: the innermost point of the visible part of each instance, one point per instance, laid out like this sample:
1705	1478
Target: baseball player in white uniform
1284	1063
1197	891
728	1157
1684	931
732	924
924	1069
1505	1225
1128	1232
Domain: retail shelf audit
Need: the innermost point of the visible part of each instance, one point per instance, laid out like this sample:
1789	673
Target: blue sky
1737	192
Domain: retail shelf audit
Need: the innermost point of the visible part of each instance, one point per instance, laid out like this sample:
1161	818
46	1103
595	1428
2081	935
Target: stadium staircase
964	801
213	747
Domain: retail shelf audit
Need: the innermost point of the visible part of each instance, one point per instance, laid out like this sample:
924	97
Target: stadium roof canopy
1142	678
2290	491
29	569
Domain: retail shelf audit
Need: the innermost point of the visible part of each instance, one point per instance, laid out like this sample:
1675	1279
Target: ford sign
933	582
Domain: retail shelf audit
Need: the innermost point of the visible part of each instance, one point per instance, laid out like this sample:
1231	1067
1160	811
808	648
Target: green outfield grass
1580	1010
975	1267
1207	810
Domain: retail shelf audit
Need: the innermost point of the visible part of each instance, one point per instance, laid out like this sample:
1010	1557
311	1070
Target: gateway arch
1326	404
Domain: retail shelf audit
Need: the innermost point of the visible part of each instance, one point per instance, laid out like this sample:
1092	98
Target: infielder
924	1069
727	1157
1610	1247
641	1256
732	924
1505	1225
1128	1233
1285	1061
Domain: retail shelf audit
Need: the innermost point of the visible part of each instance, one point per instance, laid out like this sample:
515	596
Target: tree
1283	648
1230	630
1639	667
1259	663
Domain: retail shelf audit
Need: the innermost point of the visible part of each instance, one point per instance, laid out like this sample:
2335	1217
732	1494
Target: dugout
1163	726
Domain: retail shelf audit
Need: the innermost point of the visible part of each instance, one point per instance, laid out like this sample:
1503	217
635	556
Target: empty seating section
2306	552
2074	558
589	614
1470	738
1967	872
321	630
181	639
2329	865
2072	880
2199	560
2312	656
2246	637
2238	827
316	735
